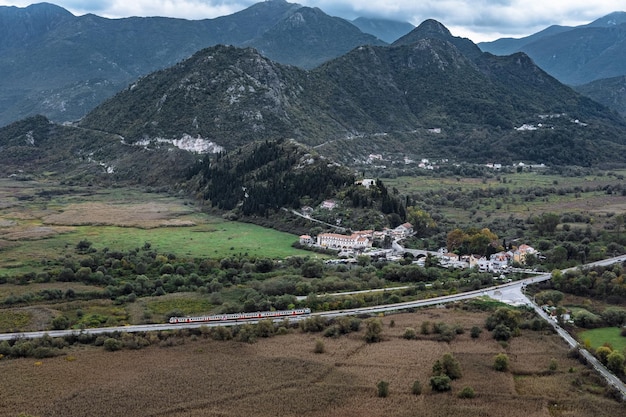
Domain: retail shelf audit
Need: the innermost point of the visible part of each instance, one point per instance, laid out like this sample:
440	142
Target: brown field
281	376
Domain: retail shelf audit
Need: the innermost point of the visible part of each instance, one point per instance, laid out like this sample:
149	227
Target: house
366	182
519	254
404	230
306	240
328	204
357	240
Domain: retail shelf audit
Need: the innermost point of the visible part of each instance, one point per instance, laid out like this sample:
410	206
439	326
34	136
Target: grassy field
39	222
595	202
281	376
610	335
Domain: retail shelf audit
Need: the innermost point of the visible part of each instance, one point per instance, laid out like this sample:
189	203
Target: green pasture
216	239
598	337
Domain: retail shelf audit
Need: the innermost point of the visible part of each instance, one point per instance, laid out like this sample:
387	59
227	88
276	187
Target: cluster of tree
613	359
267	176
473	241
599	282
445	370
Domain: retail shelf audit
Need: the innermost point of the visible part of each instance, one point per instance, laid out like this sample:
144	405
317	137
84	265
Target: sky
478	20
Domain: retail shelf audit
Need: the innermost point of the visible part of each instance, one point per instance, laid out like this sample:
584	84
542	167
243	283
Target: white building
357	240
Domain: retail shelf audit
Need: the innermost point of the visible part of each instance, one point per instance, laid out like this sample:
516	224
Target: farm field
41	221
283	376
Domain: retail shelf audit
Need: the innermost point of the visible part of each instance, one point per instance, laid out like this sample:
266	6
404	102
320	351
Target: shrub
451	366
319	347
112	344
383	389
374	331
440	383
475	332
501	362
501	332
552	367
467	392
416	389
602	353
615	362
409	333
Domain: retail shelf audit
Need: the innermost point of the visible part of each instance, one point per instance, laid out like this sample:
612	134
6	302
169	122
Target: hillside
611	92
76	62
575	55
231	96
413	100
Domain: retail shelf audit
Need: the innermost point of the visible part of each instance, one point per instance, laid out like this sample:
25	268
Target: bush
112	344
451	366
501	362
475	332
552	367
501	332
383	389
467	392
409	333
440	383
319	347
416	389
374	331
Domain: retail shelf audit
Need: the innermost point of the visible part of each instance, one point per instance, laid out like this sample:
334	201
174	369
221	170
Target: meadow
604	335
42	221
283	376
516	194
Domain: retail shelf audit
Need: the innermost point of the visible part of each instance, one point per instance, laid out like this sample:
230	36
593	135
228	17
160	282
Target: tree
383	389
602	353
502	332
60	323
422	223
615	362
455	239
451	366
373	330
501	362
546	223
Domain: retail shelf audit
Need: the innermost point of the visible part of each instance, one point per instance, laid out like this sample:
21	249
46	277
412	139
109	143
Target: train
259	315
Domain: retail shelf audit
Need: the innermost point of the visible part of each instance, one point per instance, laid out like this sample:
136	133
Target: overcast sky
479	20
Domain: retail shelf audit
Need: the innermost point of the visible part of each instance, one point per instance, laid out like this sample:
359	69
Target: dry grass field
282	376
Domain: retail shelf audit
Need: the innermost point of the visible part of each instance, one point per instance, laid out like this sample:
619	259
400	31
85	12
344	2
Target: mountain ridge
75	62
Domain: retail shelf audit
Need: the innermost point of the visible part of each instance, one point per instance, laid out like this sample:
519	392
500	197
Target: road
510	292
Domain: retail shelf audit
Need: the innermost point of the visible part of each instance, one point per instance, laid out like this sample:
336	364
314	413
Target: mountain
431	29
60	65
508	46
308	37
609	91
575	55
370	98
419	98
384	29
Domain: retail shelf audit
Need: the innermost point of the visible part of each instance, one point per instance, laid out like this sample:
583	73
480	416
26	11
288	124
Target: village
386	245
